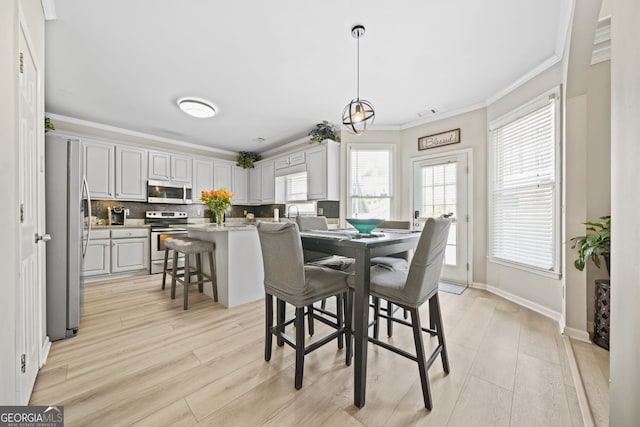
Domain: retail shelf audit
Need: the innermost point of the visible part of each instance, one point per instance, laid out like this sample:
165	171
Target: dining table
349	243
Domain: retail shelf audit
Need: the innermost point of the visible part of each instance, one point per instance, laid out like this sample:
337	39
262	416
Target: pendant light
358	115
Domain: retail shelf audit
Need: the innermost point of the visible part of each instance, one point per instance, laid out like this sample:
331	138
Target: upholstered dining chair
336	262
410	289
398	262
291	281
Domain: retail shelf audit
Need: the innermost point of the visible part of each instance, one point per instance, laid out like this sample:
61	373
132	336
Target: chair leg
186	281
422	362
268	337
389	321
214	277
310	315
340	319
174	271
376	317
164	268
299	347
199	268
436	315
280	319
348	308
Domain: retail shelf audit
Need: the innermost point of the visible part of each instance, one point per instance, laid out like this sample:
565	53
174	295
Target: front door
29	309
440	187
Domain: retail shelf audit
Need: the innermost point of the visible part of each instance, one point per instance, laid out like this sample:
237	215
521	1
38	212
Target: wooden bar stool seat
189	246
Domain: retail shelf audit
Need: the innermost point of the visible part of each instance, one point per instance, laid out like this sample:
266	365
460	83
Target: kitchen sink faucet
289	211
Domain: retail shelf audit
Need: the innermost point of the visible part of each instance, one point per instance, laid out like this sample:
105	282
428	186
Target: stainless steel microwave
169	192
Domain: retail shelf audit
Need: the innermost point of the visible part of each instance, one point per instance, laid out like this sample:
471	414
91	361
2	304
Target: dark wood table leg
361	326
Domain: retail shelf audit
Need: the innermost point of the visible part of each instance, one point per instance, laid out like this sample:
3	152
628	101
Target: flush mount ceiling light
197	107
358	115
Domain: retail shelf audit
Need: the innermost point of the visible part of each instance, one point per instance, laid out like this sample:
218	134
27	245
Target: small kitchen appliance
117	216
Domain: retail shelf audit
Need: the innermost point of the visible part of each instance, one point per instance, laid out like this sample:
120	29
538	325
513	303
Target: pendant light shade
359	114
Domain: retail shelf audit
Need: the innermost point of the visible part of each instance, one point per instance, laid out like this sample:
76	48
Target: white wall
32	11
625	211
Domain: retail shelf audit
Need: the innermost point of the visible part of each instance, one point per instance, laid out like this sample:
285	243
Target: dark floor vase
602	316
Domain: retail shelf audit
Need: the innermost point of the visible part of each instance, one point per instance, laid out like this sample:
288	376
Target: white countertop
214	228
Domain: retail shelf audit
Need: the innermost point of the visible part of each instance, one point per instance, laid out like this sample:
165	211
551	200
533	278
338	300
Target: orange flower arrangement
218	201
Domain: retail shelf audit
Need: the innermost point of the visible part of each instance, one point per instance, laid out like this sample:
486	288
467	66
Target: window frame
517	113
391	148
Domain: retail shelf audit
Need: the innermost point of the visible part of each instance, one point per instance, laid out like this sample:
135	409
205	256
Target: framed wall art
439	139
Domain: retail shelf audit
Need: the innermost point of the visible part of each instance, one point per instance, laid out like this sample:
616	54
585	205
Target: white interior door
440	187
29	306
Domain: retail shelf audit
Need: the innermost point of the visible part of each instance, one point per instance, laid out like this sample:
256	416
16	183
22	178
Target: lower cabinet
116	250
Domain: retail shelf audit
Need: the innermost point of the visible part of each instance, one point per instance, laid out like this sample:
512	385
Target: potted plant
48	125
595	244
218	201
322	131
247	158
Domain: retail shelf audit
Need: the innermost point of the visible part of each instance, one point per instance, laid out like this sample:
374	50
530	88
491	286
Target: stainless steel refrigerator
68	212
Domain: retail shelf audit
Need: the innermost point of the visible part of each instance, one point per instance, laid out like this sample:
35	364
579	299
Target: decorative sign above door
439	139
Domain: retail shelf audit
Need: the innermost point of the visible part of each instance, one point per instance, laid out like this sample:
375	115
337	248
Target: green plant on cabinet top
322	131
247	158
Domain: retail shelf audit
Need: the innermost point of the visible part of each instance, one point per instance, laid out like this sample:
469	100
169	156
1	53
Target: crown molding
136	134
445	114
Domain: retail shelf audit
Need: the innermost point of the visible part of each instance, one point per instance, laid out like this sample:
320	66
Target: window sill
528	269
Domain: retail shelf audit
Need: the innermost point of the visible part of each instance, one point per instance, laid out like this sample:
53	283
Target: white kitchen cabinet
129	249
268	177
222	175
262	183
159	166
239	185
181	169
131	173
99	159
323	171
170	167
97	259
202	178
255	185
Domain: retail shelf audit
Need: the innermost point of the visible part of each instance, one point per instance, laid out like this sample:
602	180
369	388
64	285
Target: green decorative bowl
364	225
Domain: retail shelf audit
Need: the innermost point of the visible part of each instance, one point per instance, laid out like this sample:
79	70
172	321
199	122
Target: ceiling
273	69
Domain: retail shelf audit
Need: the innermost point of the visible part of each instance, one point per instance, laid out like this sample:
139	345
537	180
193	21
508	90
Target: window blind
524	203
296	187
370	182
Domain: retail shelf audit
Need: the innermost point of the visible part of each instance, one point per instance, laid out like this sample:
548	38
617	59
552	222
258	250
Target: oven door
158	236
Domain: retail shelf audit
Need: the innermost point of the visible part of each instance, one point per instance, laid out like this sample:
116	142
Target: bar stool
189	246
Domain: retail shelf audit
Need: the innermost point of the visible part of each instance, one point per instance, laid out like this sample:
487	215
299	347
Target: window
370	181
292	190
524	189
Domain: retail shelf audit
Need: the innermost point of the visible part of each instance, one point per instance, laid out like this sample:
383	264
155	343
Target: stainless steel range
164	224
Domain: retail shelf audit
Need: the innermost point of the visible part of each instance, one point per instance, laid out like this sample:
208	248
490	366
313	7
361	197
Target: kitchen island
240	272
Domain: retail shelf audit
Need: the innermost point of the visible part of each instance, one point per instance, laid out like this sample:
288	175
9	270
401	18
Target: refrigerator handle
85	186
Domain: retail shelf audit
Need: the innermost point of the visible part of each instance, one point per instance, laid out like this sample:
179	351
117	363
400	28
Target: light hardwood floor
593	363
139	359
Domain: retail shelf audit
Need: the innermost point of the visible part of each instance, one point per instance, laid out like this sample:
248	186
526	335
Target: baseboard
44	351
554	315
577	334
583	402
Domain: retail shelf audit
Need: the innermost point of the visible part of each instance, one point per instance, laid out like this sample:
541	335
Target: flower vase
219	218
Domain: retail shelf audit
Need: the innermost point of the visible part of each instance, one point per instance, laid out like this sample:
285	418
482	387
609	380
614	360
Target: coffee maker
117	216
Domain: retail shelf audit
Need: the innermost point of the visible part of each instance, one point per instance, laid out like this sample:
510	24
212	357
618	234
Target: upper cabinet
131	173
323	171
169	167
202	177
239	185
262	183
222	175
99	160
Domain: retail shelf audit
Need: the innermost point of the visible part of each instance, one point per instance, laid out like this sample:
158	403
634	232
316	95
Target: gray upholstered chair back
282	258
306	223
426	265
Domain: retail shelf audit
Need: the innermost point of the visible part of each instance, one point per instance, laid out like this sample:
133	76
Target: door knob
43	237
